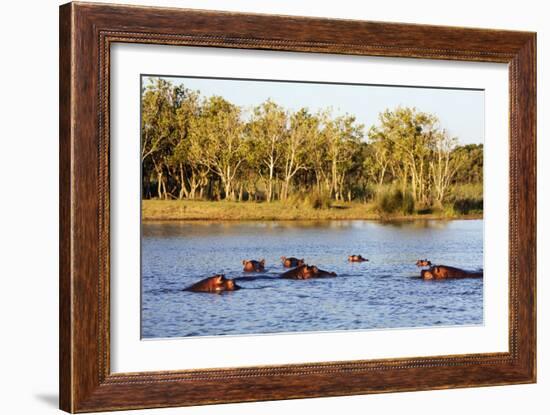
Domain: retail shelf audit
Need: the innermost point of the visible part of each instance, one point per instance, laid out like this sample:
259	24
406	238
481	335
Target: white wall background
29	206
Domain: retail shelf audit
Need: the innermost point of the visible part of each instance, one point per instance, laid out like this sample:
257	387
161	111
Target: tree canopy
195	147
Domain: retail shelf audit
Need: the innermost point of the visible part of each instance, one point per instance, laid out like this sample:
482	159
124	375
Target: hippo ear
244	261
262	261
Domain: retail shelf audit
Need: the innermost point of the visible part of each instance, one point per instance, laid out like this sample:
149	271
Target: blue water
383	293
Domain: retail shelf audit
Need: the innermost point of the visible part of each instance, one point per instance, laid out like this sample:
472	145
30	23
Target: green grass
295	210
466	191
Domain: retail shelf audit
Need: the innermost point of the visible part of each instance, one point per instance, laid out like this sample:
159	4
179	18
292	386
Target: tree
192	173
268	129
443	166
471	170
407	135
342	139
218	142
160	101
208	147
378	157
303	129
317	162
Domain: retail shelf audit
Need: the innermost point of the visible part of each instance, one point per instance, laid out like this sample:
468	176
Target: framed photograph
258	207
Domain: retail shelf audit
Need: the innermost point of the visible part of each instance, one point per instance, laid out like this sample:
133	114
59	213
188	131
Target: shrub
388	201
407	206
393	201
368	193
317	200
363	192
312	199
465	191
294	199
465	206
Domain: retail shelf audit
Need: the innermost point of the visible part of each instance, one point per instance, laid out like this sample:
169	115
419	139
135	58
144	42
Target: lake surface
383	293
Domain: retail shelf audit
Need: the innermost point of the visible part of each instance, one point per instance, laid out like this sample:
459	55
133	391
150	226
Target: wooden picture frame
86	33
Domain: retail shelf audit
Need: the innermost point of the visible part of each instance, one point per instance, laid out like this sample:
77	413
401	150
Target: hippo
441	272
251	265
305	272
215	284
301	272
319	273
357	258
423	263
292	262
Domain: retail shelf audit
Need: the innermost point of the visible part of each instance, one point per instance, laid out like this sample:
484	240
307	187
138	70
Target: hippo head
320	273
309	271
229	285
224	284
427	274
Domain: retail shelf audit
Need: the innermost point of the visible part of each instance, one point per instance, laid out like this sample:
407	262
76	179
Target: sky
460	111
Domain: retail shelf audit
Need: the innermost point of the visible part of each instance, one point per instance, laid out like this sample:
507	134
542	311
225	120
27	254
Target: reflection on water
201	228
382	293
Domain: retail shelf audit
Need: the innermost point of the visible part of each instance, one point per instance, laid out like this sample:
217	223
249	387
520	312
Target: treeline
197	147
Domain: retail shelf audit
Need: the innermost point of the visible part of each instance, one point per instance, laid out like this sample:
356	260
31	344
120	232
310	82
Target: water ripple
385	292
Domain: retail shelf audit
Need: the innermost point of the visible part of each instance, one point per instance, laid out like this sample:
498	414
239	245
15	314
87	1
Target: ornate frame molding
86	33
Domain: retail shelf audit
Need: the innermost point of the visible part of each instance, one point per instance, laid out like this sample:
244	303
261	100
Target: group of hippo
302	271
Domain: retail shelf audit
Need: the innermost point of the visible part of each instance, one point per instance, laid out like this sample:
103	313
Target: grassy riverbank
207	210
